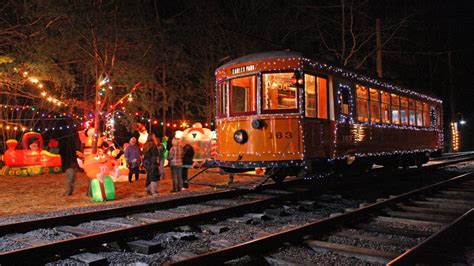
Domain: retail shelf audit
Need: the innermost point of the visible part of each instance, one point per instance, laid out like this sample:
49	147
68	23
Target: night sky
417	56
426	45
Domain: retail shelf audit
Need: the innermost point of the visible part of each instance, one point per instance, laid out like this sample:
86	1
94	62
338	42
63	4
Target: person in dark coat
188	155
150	161
132	156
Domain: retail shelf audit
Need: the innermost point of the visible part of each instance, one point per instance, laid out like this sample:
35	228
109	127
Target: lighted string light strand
37	111
18	127
351	122
288	64
43	94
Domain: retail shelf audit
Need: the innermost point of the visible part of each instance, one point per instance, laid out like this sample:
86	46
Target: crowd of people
152	158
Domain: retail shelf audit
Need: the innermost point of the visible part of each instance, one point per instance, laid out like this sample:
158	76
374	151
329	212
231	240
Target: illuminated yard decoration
99	166
201	139
30	159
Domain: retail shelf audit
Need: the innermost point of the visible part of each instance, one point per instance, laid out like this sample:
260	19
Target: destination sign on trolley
243	69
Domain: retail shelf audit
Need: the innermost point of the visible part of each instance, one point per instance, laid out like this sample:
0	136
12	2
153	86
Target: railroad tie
391	230
144	246
77	231
458	208
366	254
439	198
145	218
407	221
421	216
27	240
214	229
403	242
442	211
114	223
90	259
273	260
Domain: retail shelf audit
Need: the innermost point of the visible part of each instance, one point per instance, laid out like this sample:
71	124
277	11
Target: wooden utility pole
378	34
451	90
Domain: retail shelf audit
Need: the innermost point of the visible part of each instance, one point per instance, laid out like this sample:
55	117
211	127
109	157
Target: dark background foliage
173	47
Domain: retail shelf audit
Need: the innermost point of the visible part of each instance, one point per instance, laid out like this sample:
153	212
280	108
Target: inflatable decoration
103	192
31	159
143	133
87	137
202	140
101	165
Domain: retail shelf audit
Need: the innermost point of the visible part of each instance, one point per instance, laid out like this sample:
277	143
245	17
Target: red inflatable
31	153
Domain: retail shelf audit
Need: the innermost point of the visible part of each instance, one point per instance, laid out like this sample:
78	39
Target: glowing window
385	107
419	113
362	103
278	92
222	98
412	112
344	98
404	110
395	106
322	98
374	105
426	115
310	95
242	95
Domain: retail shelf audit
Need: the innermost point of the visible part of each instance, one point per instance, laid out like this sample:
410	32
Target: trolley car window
412	116
322	98
222	96
404	110
426	115
310	95
419	112
278	92
344	102
385	107
374	104
242	95
362	103
395	106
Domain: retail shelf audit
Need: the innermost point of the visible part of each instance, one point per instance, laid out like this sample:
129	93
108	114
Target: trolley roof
293	54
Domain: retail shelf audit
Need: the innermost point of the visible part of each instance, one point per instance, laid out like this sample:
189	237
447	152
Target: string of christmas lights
296	64
40	86
19	127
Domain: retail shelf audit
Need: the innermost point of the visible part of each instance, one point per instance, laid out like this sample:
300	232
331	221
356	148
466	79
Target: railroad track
124	223
123	226
435	213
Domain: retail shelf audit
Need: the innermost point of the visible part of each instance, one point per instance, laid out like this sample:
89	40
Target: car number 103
281	135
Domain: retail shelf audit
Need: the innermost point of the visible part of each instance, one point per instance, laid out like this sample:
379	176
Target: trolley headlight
240	136
257	123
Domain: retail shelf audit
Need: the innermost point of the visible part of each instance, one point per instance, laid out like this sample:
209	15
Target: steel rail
469	157
273	241
455	228
74	219
66	247
454	155
71	245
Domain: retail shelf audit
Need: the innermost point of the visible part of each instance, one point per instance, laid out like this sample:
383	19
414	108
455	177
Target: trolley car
293	115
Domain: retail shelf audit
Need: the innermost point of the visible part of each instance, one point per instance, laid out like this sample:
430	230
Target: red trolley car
289	114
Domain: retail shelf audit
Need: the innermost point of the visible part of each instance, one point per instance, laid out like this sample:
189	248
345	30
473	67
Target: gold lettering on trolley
242	69
281	135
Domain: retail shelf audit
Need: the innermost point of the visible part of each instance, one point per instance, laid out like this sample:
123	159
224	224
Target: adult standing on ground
161	156
176	162
132	156
188	155
150	161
